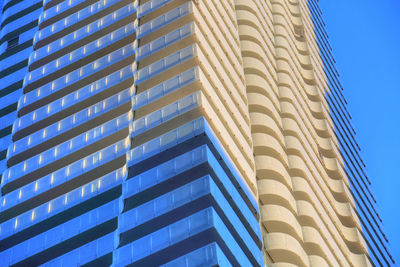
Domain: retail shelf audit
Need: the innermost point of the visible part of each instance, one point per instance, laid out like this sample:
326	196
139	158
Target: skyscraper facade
178	133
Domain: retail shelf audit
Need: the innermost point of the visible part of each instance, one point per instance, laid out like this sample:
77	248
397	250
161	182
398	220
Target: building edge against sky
176	131
355	168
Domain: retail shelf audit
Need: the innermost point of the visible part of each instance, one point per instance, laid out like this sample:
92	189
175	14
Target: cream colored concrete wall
221	78
307	210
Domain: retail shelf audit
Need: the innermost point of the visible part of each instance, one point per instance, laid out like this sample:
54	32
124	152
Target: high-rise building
178	133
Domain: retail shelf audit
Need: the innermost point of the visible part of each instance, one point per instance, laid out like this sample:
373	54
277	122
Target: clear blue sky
365	36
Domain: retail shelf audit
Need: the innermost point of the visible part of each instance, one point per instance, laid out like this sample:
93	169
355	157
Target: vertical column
189	196
19	21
